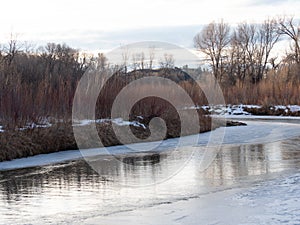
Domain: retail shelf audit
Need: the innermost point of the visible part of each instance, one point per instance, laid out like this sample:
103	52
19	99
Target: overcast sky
98	24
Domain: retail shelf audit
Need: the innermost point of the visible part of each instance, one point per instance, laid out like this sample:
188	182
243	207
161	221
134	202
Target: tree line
243	53
38	83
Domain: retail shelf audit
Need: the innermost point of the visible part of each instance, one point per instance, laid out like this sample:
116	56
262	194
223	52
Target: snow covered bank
117	121
230	110
255	132
253	117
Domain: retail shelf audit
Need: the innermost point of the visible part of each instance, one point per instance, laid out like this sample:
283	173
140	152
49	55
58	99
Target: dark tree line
39	83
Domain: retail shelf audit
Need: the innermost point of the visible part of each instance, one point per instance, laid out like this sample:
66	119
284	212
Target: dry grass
59	137
265	93
23	143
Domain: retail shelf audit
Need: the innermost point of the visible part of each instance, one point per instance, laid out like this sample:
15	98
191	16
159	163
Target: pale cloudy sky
99	24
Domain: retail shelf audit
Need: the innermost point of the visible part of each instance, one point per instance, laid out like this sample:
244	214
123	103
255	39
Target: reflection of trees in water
28	182
130	168
292	149
142	160
32	181
233	162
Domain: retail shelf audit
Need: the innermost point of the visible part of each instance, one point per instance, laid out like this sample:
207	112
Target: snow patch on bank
117	121
233	110
35	125
294	108
225	110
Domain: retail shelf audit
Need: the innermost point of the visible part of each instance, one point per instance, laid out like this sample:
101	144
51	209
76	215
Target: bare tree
212	41
125	57
29	47
288	27
251	45
12	48
134	61
168	61
101	61
246	39
142	60
151	56
138	60
268	37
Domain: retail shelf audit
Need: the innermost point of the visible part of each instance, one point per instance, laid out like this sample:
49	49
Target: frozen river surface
252	178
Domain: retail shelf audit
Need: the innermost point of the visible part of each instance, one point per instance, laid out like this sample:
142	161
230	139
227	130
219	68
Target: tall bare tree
251	45
151	56
102	61
212	41
125	57
12	48
268	37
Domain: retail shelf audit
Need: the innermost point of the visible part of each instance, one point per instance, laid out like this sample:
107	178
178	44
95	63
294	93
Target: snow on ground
121	122
294	108
254	132
35	125
117	121
240	109
215	110
225	110
253	117
230	109
274	201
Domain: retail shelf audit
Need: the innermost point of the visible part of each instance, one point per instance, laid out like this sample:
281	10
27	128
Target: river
163	187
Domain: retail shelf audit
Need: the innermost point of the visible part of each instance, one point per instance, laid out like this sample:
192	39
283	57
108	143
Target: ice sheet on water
275	201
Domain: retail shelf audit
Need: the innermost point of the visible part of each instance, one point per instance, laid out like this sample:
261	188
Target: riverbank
255	132
42	139
49	138
254	110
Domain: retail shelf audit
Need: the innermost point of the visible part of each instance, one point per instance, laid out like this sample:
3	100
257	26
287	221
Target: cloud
108	24
103	40
264	2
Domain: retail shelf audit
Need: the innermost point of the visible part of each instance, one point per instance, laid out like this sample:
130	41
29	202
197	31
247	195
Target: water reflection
235	162
74	188
145	160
